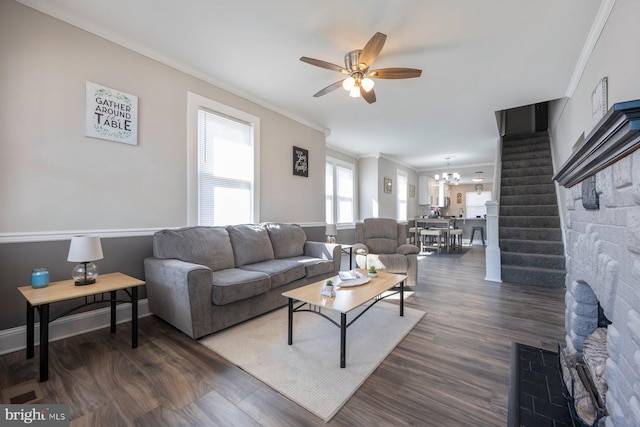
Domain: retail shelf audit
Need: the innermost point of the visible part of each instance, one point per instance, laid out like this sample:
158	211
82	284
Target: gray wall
614	56
123	254
57	182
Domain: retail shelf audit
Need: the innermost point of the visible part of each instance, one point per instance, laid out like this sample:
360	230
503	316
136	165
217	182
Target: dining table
440	222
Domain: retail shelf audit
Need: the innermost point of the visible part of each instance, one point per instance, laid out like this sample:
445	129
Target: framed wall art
412	190
300	161
388	185
111	114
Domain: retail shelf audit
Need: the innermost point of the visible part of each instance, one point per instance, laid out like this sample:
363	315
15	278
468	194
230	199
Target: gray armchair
382	243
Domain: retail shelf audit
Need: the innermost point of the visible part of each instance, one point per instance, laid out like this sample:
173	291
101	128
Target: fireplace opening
584	375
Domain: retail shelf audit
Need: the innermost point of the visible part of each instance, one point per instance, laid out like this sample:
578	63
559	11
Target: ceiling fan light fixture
355	92
348	83
367	84
448	177
478	177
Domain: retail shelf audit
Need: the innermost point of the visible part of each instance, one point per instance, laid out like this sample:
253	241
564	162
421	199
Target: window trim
405	175
352	167
194	103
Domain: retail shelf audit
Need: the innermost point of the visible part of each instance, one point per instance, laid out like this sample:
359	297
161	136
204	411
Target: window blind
225	170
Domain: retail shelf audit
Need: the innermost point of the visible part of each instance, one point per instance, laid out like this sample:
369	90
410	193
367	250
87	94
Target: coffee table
346	300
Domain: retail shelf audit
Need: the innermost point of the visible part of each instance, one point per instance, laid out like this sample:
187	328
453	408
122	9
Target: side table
348	249
41	298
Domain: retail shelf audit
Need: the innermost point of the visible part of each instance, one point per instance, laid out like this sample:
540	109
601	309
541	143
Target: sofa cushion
280	271
381	245
314	266
208	246
391	263
250	243
234	284
287	239
381	227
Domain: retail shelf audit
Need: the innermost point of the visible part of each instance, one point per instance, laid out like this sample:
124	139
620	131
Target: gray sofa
204	279
382	243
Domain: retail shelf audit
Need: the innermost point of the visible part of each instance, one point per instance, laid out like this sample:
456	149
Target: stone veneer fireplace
603	252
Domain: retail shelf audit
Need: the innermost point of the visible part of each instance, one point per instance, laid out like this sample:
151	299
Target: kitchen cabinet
427	190
443	195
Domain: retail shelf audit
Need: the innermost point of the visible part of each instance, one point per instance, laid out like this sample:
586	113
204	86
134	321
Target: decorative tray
353	282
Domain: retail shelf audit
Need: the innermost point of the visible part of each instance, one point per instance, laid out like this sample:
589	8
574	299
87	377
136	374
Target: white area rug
308	372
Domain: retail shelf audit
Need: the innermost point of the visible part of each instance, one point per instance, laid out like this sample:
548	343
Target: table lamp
85	249
331	232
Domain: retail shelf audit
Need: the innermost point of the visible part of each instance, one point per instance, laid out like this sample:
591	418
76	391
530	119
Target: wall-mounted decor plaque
300	161
111	114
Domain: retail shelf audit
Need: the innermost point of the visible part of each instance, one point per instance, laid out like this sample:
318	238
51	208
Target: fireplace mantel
615	136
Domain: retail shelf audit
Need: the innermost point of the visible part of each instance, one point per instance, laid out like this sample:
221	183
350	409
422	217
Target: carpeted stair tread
523	155
529	221
529	171
554	262
516	139
525	163
523	148
532	246
533	210
537	234
528	199
533	276
526	180
515	190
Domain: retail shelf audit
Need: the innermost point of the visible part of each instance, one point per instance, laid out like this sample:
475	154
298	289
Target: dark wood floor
451	370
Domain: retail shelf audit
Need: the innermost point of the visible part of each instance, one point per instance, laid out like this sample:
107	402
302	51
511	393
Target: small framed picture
300	161
388	185
412	190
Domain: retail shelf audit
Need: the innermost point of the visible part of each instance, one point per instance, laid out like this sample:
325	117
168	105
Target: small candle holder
39	277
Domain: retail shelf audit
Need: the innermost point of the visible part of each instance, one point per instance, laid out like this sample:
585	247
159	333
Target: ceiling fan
356	66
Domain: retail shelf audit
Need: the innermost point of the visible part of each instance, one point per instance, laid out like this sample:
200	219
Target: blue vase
39	277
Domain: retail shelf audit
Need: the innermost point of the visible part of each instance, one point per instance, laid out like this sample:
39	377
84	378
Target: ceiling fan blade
329	88
323	64
371	50
370	96
395	73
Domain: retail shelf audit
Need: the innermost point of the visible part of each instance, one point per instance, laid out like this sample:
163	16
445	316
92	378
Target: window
222	164
329	193
476	203
339	192
403	185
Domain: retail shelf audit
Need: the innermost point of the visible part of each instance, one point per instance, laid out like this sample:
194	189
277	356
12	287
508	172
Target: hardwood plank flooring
451	370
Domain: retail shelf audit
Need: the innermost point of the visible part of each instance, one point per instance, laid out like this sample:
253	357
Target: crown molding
114	37
590	43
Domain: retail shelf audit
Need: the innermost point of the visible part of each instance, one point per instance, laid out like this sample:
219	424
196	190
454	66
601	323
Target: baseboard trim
15	339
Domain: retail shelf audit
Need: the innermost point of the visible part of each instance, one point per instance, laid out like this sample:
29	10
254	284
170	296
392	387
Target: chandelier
448	177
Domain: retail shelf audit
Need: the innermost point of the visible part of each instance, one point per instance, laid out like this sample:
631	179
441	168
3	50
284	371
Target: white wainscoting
15	339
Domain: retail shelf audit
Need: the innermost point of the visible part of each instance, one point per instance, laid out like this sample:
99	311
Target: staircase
531	245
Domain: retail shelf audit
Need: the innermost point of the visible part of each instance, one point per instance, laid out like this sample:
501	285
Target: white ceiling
477	57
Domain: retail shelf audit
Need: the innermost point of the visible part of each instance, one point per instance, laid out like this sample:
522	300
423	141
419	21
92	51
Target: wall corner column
492	253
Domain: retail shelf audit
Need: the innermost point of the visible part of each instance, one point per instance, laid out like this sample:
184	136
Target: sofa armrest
360	249
328	251
180	293
407	249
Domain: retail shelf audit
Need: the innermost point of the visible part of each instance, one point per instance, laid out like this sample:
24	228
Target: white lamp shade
331	230
367	84
348	83
85	249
